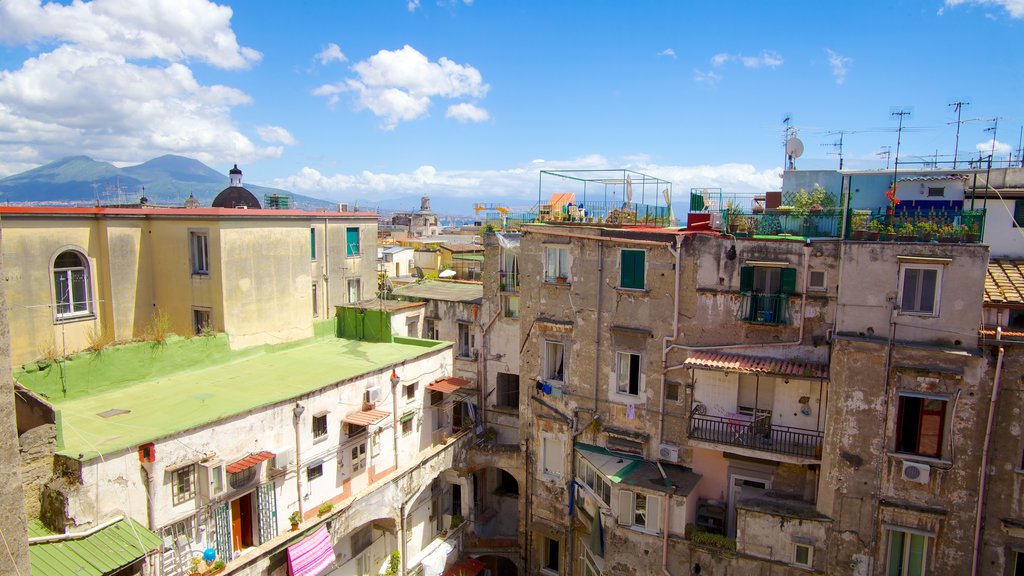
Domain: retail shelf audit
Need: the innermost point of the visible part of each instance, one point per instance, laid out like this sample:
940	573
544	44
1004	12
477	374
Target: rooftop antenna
887	152
901	113
838	145
958	106
994	128
1020	147
788	132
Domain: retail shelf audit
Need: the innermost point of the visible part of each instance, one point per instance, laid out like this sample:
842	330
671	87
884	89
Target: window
907	553
507	483
919	290
436	398
315	471
465	341
320	426
511	306
919	425
556	264
71	285
355	430
312	244
554	361
316	303
640	510
508	390
354	290
407	423
1018	213
352	242
358	457
183	484
551	555
592	478
672	391
430	327
766	291
753	392
628	373
803	555
410	391
816	281
632	270
1018	563
552	456
201	321
936	192
199	243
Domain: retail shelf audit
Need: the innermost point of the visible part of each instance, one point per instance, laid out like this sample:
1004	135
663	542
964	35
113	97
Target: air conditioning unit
211	480
372	395
668	452
914	472
282	459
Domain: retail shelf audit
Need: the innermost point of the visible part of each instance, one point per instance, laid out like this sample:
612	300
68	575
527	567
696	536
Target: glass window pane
909	302
895	563
62	289
915	561
928	280
78	291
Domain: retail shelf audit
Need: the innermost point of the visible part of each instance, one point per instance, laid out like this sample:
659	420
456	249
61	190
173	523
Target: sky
379	101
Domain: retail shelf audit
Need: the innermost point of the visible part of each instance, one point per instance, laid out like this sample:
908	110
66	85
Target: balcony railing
758	434
760	308
911	224
509	281
598	212
820	224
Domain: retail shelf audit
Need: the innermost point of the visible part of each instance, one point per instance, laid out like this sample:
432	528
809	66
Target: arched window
71	285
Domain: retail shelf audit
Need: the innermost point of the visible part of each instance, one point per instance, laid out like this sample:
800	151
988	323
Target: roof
449	384
443	290
366	417
476	257
933	178
1004	283
75	211
740	363
188	384
462	247
390	305
396	249
101	552
466	567
249	461
636	471
560	199
236	197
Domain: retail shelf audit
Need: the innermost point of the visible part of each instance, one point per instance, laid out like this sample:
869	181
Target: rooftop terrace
182	384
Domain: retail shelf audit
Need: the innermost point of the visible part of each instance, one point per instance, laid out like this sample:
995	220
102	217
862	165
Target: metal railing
820	224
508	281
910	224
761	308
758	434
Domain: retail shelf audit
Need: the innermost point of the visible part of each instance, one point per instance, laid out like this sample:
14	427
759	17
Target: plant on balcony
948	233
906	231
859	223
970	232
927	230
394	564
295	518
875	229
752	223
324	508
456	520
890	195
698	536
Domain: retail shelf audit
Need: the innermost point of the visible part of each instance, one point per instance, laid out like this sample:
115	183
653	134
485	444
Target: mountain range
167	180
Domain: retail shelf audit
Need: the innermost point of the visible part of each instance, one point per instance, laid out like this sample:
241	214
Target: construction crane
477	209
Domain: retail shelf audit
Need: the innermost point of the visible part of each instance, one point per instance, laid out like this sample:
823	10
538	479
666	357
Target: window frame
811	286
316	301
636	275
628	513
930	193
197	325
549	373
592	480
936	295
318	427
318	468
199	258
407	423
511	310
358	457
678	396
352	249
797	546
409	390
67	273
507	388
430	329
905	552
550	444
899	441
357	282
183	484
627	388
312	244
546	566
464	339
557	267
1018	214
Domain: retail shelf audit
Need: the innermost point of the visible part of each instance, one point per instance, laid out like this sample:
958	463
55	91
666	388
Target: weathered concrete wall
37	447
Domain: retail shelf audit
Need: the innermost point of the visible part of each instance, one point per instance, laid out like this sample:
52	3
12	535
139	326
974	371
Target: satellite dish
794	147
446	274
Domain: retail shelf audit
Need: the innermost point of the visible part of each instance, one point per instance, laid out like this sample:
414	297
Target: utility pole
838	145
958	106
787	131
899	137
991	155
1020	147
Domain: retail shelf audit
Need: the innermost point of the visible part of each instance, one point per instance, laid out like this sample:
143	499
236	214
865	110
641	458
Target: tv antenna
958	106
788	134
887	152
900	113
837	145
993	129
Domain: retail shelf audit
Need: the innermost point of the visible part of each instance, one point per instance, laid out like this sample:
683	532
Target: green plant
295	518
218	564
818	199
456	520
394	564
194	568
159	327
927	227
733	206
324	508
488	229
698	536
906	228
876	226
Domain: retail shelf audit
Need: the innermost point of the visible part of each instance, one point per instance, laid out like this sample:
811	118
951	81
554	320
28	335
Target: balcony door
756	393
741	487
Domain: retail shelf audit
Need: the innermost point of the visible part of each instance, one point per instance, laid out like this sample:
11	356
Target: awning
366	417
449	385
311	556
406	417
740	363
466	567
249	461
96	552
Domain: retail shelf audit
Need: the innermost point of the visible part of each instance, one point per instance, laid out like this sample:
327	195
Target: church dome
235	195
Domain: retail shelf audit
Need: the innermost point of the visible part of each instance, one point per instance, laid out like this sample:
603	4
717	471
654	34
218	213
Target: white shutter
552	457
654	504
625	508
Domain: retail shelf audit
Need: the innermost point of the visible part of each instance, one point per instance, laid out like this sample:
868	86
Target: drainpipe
394	419
597	324
667	340
297	413
984	452
482	364
327	268
401	536
150	497
665	516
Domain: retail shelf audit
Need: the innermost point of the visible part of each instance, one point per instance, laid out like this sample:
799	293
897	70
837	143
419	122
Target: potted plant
456	520
325	508
194	565
906	232
875	228
295	518
217	568
947	233
859	224
732	210
926	230
971	232
752	224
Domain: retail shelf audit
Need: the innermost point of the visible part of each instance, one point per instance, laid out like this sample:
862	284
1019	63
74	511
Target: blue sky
381	102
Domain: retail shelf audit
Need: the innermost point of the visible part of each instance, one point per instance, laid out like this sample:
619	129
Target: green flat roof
218	385
99	553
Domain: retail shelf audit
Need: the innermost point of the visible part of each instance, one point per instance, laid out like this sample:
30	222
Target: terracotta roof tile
249	461
366	417
449	385
1004	283
740	363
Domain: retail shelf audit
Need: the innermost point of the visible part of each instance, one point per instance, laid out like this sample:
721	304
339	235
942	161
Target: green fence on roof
364	324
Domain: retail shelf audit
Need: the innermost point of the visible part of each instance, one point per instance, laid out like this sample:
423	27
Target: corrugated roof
443	290
1004	283
101	552
740	363
449	385
249	461
366	417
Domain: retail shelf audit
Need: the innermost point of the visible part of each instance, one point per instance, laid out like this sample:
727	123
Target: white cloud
398	85
840	65
721	58
670	52
1015	8
272	134
466	112
413	5
172	30
332	53
986	147
767	58
709	78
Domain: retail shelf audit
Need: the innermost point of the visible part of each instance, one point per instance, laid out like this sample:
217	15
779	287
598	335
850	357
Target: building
421	223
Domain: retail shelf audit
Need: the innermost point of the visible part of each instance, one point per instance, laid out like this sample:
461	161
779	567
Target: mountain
167	180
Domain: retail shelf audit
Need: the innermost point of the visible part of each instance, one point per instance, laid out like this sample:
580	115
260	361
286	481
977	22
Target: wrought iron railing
756	434
760	308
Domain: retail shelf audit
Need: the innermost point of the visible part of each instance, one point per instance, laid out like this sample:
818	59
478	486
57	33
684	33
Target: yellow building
84	277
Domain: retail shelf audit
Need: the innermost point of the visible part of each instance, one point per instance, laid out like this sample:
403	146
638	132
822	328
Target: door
266	509
241	522
743	487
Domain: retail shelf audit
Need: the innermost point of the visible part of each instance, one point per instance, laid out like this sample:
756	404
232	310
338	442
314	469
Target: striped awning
249	461
366	417
449	385
311	556
754	364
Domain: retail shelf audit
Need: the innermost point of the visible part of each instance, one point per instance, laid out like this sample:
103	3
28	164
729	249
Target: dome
236	197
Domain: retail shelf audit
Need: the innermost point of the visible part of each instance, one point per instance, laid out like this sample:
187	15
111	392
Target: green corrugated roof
477	257
101	552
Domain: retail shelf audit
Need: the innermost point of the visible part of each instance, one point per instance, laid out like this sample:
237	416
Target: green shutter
747	279
787	281
639	268
632	269
352	241
312	243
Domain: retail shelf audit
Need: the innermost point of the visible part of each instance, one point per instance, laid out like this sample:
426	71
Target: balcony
508	281
909	224
783	222
758	308
756	434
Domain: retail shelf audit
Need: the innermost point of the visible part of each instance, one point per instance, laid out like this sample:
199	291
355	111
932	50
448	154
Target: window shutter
352	241
654	504
626	269
638	268
312	243
625	508
787	280
747	279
